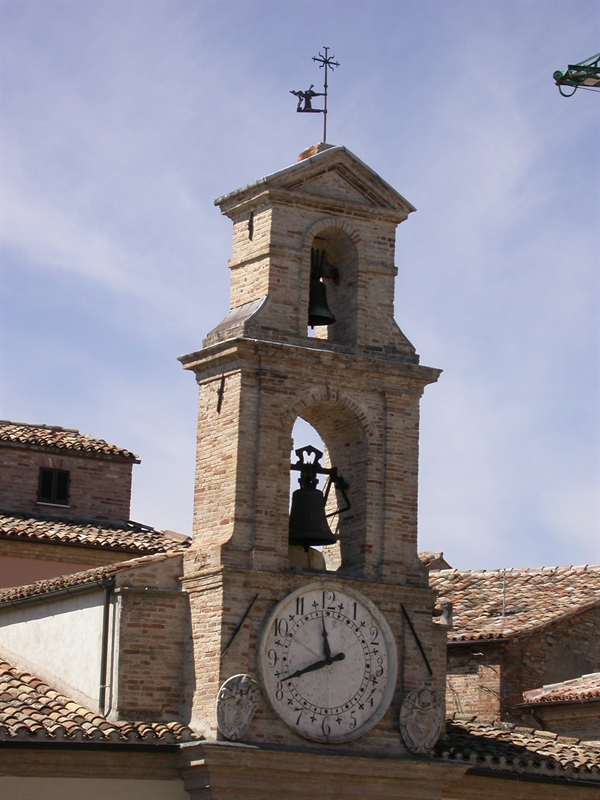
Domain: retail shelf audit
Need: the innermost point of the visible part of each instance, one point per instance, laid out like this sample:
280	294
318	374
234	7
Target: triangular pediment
333	172
333	184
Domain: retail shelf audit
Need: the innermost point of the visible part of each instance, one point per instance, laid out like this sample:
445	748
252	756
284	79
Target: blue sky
122	121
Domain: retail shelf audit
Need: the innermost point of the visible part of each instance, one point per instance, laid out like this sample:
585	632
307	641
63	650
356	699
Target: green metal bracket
586	74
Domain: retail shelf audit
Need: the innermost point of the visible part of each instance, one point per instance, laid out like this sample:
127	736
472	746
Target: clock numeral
329	600
301	710
281	627
299	605
379	670
272	656
279	692
374	634
325	724
352	723
354	610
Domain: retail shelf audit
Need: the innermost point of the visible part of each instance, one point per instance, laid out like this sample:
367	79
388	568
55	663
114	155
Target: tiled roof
55	437
507	748
577	690
531	598
31	711
92	575
128	538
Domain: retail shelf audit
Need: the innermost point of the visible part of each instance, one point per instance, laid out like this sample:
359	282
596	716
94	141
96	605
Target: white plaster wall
58	641
90	789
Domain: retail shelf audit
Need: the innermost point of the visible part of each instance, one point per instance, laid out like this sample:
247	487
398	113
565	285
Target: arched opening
335	257
336	431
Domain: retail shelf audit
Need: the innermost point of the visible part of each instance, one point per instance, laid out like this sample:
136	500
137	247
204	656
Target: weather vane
305	99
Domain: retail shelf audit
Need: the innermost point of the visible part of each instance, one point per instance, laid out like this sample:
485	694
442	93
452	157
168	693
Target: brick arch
328	222
326	394
340	242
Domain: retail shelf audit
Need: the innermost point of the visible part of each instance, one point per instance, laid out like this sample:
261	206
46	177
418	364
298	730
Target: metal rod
325	104
417	640
238	626
220	393
109	585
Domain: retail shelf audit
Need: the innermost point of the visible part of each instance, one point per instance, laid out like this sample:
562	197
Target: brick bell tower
358	382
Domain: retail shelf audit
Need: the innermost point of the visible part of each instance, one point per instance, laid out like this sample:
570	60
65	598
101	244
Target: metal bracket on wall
220	393
239	626
417	640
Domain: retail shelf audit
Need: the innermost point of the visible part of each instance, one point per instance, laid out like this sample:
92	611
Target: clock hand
326	646
325	662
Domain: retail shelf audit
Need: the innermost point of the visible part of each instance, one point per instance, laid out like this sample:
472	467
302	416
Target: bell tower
327	219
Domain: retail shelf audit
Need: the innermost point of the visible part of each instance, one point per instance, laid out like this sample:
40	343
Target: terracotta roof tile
79	578
30	711
131	537
433	560
57	438
576	690
508	748
534	598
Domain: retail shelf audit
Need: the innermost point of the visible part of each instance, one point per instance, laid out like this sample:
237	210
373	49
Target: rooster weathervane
305	99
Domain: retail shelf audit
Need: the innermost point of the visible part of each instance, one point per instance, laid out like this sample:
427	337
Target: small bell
318	308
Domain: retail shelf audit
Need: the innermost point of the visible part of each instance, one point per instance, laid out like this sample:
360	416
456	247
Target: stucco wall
58	641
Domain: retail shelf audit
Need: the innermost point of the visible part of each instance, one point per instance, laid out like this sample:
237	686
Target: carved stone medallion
421	720
236	704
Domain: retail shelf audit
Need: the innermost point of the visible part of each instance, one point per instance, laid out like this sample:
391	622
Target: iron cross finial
305	99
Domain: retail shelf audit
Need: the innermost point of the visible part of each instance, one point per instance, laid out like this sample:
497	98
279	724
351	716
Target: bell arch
331	248
345	431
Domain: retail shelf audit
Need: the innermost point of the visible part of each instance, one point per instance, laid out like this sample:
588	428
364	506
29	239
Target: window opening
53	486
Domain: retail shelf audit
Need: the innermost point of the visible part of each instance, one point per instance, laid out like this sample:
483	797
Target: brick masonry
488	678
100	488
153	627
357	382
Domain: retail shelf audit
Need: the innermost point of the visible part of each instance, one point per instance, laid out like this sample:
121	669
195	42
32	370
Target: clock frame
328	662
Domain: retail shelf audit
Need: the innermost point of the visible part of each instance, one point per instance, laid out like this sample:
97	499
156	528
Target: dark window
54	486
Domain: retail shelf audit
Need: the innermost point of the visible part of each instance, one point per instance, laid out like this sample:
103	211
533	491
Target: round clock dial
328	663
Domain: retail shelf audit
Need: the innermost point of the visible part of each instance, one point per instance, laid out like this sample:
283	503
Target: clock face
328	663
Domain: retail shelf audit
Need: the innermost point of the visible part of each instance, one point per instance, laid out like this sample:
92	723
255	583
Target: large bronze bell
308	520
308	523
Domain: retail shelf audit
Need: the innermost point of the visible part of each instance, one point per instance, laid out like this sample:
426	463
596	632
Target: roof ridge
40	425
81	578
23	434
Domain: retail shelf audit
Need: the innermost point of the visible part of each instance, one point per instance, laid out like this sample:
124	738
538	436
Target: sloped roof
93	575
31	711
372	187
577	690
131	537
504	747
532	598
20	434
